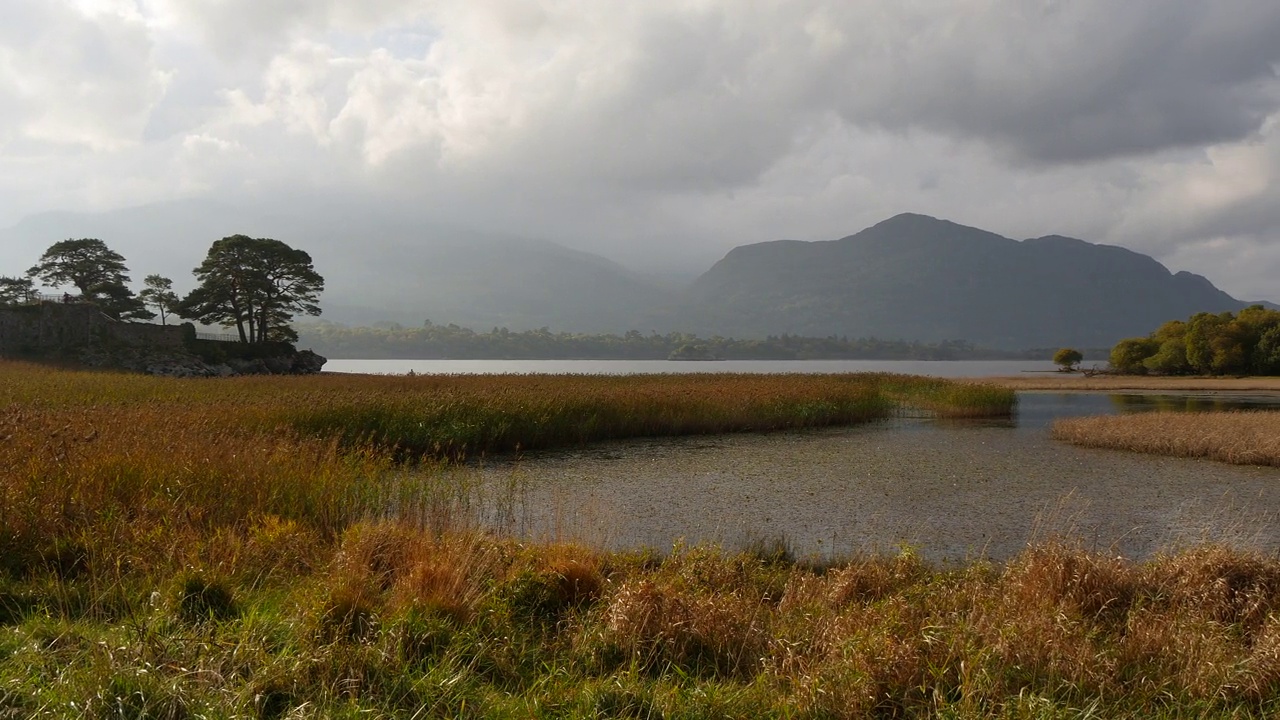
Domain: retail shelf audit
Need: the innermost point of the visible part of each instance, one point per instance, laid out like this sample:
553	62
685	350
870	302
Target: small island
690	351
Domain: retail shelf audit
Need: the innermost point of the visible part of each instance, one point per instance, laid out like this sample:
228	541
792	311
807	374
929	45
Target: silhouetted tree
159	294
98	272
16	290
255	285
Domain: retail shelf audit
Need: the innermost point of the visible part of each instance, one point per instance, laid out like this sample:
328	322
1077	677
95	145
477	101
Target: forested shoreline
1244	343
433	341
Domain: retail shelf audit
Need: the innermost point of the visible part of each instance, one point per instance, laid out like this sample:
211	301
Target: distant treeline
1247	343
431	341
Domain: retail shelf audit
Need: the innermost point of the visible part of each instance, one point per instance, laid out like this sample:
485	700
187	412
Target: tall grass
1238	437
393	622
469	416
106	479
948	398
117	466
253	548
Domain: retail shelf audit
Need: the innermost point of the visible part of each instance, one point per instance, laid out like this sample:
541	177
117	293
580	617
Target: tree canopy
255	285
98	272
1068	358
1244	343
159	294
16	290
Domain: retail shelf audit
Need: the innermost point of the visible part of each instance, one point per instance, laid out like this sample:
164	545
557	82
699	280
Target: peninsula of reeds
1237	437
244	548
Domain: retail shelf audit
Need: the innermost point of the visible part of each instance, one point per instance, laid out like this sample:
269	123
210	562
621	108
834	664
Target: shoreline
1072	383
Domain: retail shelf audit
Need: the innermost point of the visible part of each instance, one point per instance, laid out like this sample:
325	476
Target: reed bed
98	465
1237	437
948	398
245	548
468	416
454	416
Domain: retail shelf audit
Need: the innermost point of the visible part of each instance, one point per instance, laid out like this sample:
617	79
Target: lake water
936	368
952	490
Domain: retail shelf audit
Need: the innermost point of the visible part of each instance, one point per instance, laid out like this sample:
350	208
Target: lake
953	490
936	368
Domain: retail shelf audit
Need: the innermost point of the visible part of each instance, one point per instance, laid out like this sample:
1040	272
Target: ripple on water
952	491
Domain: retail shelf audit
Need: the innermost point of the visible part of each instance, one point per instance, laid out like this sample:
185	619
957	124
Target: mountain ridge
909	277
914	277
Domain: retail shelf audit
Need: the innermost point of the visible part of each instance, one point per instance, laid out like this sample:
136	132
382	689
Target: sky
663	133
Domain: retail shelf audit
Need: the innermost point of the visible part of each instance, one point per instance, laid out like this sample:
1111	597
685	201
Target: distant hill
918	278
378	268
496	282
911	277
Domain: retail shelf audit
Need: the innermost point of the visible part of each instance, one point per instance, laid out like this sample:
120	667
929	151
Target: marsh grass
1238	437
198	549
396	621
469	416
948	398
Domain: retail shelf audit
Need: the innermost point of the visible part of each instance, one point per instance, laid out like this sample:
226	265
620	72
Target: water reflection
1037	410
953	490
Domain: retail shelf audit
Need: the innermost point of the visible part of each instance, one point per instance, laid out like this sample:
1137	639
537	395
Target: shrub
201	599
1068	358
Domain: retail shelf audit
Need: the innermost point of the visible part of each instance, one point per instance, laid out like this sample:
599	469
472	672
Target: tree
14	291
98	272
159	294
1128	355
1266	356
1171	356
1202	329
255	285
1068	358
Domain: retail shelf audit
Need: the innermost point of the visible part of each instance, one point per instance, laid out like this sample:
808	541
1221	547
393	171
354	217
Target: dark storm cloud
1070	81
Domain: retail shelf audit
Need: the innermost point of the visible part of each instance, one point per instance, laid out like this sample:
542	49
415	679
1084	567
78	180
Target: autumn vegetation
1238	437
1244	343
295	548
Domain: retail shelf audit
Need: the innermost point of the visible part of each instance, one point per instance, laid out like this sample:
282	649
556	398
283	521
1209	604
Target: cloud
1062	82
669	128
71	77
711	93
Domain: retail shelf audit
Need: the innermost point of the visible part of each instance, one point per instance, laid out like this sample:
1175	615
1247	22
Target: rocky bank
178	363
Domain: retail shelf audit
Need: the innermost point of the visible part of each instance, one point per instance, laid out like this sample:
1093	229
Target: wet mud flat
952	491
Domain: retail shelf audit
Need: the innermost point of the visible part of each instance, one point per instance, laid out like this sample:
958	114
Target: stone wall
146	334
57	327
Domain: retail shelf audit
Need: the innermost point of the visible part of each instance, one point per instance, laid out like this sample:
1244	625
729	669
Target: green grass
393	623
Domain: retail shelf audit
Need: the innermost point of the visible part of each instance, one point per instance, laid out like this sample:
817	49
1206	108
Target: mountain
911	277
487	282
378	267
919	278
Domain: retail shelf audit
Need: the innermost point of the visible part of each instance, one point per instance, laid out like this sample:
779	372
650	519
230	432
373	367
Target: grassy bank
243	548
387	621
1241	438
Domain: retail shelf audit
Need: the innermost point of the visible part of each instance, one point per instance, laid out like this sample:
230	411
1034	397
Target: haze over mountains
910	277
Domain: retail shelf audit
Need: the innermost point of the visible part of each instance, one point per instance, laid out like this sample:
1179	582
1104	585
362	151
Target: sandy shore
1076	382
